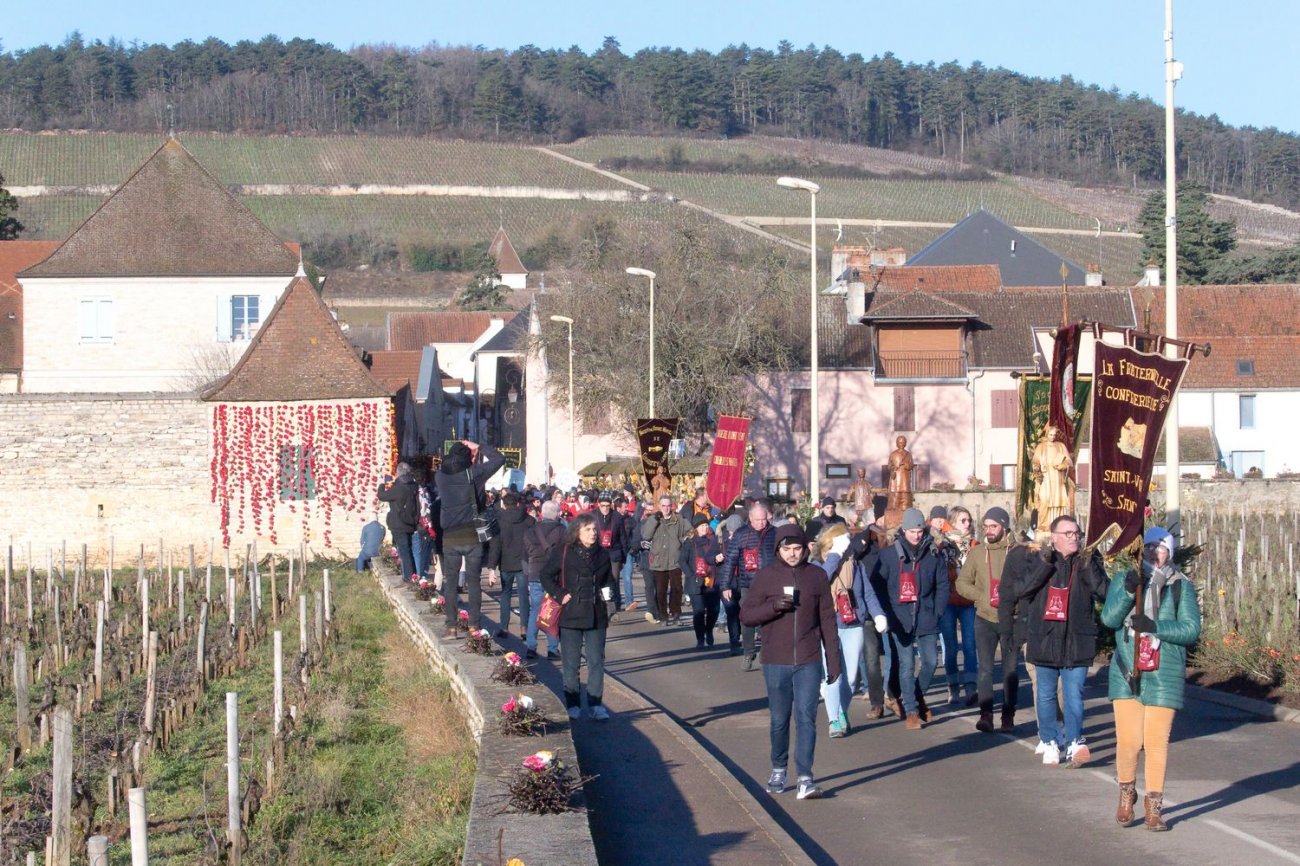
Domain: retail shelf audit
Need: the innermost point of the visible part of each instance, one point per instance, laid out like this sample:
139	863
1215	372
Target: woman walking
956	544
577	575
856	602
701	554
1154	606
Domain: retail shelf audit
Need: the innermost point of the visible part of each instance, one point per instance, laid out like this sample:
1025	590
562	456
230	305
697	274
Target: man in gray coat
665	529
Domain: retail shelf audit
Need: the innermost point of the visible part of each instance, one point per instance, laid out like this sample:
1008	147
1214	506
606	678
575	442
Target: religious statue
861	492
900	476
660	484
1053	489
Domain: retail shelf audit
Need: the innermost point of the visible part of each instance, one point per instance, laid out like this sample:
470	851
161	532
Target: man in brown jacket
791	600
980	581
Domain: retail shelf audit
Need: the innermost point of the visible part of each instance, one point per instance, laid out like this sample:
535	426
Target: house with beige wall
161	289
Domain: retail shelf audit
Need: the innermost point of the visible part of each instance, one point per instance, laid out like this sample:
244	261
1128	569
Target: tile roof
16	256
170	218
299	353
1003	338
1256	323
395	369
415	330
504	252
945	278
512	338
983	239
916	304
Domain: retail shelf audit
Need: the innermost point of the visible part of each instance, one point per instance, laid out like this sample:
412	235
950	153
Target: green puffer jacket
1177	629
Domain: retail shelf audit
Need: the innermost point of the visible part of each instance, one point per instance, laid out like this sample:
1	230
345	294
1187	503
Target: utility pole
1173	72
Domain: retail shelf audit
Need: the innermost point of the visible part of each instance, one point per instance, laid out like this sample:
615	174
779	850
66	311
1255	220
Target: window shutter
104	319
223	318
904	408
800	410
87	317
995	474
921	476
1004	405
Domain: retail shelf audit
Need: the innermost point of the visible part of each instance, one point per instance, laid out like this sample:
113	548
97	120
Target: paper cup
607	593
788	590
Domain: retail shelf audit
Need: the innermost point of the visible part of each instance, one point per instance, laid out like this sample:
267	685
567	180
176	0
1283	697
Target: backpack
408	510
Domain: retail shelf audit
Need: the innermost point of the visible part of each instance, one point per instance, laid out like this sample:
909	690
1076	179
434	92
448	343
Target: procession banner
1065	364
1035	402
653	436
1132	393
727	465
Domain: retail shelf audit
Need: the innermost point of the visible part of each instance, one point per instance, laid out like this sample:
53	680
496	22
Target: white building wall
165	331
1272	435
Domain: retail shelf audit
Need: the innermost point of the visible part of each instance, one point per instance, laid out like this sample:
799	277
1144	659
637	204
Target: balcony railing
920	364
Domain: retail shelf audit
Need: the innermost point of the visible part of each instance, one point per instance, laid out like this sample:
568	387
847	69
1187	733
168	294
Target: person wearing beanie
1156	618
980	581
699	560
750	549
910	578
791	600
823	519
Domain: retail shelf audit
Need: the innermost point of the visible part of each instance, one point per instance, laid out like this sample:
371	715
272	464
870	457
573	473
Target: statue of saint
861	493
1053	489
660	484
900	476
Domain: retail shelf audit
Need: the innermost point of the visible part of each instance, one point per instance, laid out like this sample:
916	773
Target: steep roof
945	278
504	252
1253	324
16	256
512	338
299	353
395	369
983	239
1003	338
411	330
917	305
170	218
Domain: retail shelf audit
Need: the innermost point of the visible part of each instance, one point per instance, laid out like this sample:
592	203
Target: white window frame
104	325
1241	411
250	329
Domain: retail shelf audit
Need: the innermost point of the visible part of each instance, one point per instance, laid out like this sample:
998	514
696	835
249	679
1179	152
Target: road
949	794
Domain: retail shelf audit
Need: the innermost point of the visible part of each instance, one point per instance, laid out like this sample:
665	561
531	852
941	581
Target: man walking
750	549
1061	585
611	535
538	543
403	495
981	582
791	600
514	523
664	529
460	481
824	518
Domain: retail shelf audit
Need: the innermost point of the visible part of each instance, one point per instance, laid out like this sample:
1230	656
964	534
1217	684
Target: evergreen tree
485	291
1202	240
9	225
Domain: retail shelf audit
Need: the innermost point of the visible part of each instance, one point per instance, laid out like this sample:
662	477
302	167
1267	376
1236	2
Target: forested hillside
992	118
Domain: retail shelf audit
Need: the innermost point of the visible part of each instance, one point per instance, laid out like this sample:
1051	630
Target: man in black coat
403	496
460	481
514	523
611	534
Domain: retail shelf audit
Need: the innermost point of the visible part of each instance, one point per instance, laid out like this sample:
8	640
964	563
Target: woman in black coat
577	574
699	561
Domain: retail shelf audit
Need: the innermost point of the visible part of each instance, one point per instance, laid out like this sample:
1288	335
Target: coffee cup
788	590
606	593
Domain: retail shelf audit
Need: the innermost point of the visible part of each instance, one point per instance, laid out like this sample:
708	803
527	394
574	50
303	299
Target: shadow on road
1236	792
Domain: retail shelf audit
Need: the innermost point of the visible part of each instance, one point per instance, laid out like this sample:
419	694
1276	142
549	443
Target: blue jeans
838	694
1071	680
952	616
906	650
508	581
628	595
402	541
575	645
535	593
422	551
793	689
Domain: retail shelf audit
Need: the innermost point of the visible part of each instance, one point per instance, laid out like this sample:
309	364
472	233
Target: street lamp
814	487
642	272
573	447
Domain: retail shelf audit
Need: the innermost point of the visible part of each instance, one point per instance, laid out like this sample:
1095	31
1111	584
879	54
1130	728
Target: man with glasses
1061	585
981	581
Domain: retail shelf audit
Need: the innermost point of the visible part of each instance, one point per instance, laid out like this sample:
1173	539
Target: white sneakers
1050	751
1077	754
599	713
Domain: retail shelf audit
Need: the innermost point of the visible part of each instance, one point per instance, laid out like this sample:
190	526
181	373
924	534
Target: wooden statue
1053	489
900	476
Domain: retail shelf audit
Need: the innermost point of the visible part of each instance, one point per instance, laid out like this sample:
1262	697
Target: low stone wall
538	840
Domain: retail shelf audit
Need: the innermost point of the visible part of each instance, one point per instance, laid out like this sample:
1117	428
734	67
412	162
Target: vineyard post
9	576
151	683
302	636
275	599
207	581
227	556
139	827
63	561
230	602
22	700
99	650
58	634
29	593
160	555
61	817
254	590
279	680
201	661
108	585
192	563
144	620
49	575
76	587
288	593
329	617
180	598
320	623
97	850
171	583
232	776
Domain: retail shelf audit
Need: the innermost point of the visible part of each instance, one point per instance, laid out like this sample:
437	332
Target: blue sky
1240	59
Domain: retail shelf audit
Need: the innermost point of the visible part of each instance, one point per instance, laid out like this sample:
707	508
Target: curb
784	842
1253	706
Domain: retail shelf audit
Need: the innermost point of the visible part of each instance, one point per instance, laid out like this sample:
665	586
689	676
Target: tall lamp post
1173	72
642	272
573	439
814	449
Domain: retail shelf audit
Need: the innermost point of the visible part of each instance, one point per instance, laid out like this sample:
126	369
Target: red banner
727	465
1131	393
1065	361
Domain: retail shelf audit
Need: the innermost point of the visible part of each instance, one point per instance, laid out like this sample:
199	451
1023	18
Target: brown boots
1153	803
913	722
985	724
1128	797
1008	720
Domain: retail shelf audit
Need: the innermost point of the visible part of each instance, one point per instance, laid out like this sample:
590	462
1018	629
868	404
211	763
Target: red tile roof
395	369
504	252
170	218
917	305
414	330
16	256
299	353
936	278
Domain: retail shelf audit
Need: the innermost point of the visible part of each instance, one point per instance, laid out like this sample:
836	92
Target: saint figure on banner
1053	489
660	484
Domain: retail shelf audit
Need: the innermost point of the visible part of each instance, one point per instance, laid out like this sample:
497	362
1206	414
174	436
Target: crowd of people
835	607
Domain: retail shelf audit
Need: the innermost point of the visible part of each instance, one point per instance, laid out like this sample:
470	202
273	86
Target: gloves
784	604
830	680
1132	581
840	544
858	546
659	518
645	545
882	624
1143	623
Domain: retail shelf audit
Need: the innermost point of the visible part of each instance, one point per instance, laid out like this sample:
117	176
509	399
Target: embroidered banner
727	465
1132	391
653	436
1065	364
1035	402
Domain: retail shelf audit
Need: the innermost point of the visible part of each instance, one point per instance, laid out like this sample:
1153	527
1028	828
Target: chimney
1152	275
856	301
839	261
1093	277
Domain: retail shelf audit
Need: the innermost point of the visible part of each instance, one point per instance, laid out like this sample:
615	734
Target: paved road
949	794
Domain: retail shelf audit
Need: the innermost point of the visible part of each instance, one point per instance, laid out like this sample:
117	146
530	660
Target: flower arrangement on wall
327	457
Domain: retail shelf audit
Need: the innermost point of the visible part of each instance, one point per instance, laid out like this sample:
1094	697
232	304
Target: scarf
1157	580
